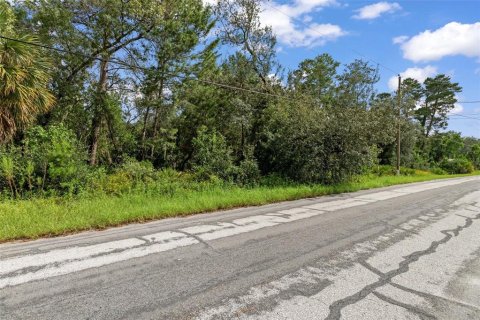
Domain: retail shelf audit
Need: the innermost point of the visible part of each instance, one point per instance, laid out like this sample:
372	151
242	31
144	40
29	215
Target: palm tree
24	78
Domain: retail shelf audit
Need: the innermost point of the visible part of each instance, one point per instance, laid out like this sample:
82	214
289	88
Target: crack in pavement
198	239
433	297
422	294
385	278
421	313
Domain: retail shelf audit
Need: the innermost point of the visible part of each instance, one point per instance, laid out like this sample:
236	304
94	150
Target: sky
416	39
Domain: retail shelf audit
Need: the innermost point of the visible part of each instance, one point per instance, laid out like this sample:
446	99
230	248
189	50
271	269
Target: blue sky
414	38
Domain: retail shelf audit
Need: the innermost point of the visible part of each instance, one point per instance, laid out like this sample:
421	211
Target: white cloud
457	109
399	39
375	10
283	20
419	74
452	39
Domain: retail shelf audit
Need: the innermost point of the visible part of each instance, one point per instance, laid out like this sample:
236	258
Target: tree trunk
144	131
98	112
157	112
432	117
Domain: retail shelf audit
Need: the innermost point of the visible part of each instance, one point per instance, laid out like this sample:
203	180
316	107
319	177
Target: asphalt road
404	252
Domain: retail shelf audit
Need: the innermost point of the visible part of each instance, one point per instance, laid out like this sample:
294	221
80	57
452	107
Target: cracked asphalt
403	252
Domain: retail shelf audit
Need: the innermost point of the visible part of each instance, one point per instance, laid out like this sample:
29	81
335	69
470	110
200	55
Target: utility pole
399	104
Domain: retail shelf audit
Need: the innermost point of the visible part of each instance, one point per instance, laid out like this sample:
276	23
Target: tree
316	77
185	27
446	145
108	33
411	93
242	28
439	100
24	78
356	85
474	155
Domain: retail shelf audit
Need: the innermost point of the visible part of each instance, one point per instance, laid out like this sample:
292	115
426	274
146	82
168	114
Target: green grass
29	219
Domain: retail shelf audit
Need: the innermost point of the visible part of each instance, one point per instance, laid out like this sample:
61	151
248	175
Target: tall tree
439	99
24	78
180	48
316	77
108	32
240	26
356	84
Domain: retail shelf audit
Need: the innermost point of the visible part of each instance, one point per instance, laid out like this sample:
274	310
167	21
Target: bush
438	171
247	173
382	170
316	145
457	166
50	161
211	154
275	180
474	155
407	171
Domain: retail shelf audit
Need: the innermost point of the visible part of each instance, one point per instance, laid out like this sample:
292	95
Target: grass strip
30	219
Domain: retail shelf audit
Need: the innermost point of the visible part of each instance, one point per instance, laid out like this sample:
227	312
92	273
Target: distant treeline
106	93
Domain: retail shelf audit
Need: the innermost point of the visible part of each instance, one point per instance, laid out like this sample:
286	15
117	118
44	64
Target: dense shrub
213	159
407	171
383	170
211	155
457	166
474	155
438	171
309	144
247	172
50	161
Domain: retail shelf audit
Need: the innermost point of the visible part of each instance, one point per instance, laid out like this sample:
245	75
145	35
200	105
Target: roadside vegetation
116	113
172	196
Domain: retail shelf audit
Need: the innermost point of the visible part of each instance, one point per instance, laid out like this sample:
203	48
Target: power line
477	101
464	116
314	29
354	50
124	64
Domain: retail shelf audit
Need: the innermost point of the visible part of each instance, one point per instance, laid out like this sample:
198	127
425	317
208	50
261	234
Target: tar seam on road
418	311
385	278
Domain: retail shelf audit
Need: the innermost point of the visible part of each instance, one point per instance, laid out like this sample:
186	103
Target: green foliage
25	72
37	217
54	157
439	99
50	160
447	145
212	155
474	155
438	171
457	166
313	145
175	123
385	170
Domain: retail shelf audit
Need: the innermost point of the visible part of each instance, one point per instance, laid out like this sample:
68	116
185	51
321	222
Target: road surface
403	252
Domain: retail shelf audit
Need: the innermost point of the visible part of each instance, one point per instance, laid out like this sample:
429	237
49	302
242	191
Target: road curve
403	252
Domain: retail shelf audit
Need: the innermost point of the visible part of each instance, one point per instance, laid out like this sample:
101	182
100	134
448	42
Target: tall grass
29	219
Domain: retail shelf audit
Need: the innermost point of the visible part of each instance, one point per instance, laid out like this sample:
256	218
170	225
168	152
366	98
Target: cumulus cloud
375	10
283	20
419	74
452	39
457	109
